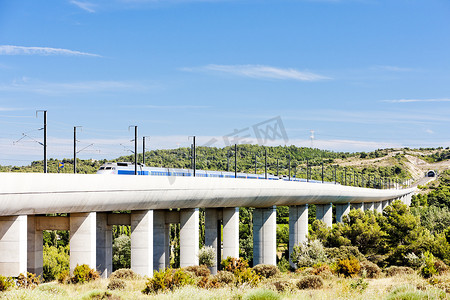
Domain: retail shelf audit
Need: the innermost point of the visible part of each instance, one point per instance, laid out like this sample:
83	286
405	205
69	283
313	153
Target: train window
102	168
108	168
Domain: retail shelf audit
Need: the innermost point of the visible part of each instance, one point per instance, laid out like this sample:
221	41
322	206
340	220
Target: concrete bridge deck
36	193
154	203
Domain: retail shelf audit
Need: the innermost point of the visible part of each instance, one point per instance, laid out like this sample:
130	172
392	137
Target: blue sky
363	74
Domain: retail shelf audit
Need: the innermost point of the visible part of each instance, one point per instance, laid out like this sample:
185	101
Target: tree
122	252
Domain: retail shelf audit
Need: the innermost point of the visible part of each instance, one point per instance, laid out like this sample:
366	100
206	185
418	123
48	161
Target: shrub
126	274
224	277
378	259
232	264
360	285
261	294
241	271
56	260
247	276
370	269
283	286
428	269
413	260
283	265
343	252
63	277
440	267
310	282
98	295
395	270
116	284
199	271
82	273
266	271
28	282
207	282
323	271
207	256
308	254
6	283
348	267
167	279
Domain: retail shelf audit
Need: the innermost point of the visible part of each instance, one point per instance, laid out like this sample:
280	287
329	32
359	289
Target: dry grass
334	288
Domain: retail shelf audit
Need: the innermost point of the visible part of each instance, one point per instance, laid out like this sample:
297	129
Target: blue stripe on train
131	172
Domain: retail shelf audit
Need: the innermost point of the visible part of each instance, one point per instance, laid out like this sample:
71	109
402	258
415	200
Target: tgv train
127	168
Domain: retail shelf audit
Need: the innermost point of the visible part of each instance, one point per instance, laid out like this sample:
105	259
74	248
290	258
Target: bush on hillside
29	282
370	270
6	283
308	254
207	256
83	273
167	279
348	267
266	271
199	271
225	277
116	284
310	282
396	270
126	274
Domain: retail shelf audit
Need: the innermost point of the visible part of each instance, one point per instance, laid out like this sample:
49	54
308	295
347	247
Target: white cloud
261	72
57	88
417	100
429	131
89	7
46	51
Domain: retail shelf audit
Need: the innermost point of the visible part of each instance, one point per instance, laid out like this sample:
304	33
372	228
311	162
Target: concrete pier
358	206
298	226
341	211
142	242
369	206
189	237
104	245
161	240
378	206
35	256
13	245
324	213
213	229
264	236
231	232
83	240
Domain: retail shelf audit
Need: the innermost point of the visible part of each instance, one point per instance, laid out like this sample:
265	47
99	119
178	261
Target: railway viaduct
155	202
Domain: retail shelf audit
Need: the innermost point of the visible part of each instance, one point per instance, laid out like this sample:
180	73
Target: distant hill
402	163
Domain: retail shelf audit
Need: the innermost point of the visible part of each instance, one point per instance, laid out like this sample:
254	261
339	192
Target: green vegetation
83	273
56	261
207	256
385	238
